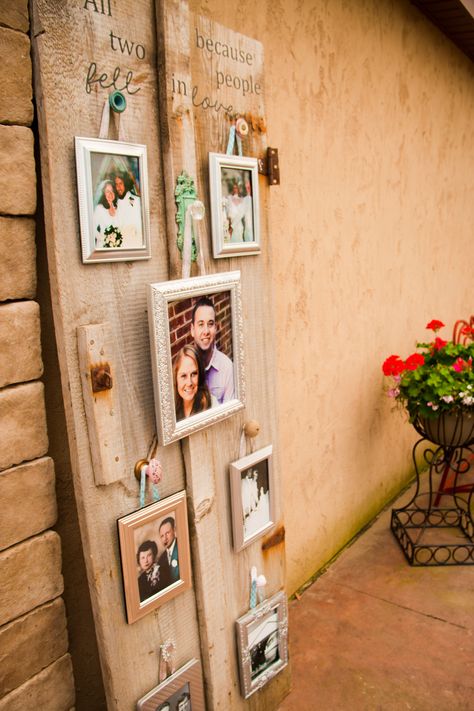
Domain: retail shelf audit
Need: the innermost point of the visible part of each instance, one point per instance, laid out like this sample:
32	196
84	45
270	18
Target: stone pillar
35	668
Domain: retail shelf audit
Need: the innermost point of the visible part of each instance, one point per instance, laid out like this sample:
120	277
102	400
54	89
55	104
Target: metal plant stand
430	533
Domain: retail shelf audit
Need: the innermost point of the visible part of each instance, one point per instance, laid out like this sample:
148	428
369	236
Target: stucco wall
371	237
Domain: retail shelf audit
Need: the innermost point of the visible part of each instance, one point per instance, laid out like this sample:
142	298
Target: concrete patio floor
375	634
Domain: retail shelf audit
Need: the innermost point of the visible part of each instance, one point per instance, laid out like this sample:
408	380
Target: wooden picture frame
262	640
182	691
252	497
150	576
235	213
112	186
192	320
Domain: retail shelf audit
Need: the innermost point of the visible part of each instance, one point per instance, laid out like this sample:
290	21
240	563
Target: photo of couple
157	558
201	350
117	206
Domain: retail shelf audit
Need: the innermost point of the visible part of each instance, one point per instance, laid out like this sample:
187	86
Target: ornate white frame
84	147
235	471
159	296
268	607
217	161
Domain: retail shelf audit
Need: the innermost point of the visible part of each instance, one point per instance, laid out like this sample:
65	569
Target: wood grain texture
222	577
96	347
66	39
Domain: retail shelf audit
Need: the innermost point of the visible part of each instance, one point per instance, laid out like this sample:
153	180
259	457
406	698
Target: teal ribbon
233	138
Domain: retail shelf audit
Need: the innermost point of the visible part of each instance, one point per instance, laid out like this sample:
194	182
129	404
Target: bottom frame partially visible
262	639
182	691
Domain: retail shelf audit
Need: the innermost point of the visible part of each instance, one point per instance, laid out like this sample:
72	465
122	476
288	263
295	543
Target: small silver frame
160	295
267	625
247	212
246	502
91	174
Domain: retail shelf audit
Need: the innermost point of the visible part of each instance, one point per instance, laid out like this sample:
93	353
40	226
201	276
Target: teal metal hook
117	101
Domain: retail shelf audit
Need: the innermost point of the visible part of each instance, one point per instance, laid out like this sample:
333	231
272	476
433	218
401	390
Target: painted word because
127	46
107	82
247	86
224	50
104	6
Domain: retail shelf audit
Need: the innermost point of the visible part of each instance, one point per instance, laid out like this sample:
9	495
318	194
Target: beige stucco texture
370	237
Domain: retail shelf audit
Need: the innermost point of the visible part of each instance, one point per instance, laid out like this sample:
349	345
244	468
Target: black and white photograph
262	639
251	487
182	691
263	644
234	204
113	200
197	352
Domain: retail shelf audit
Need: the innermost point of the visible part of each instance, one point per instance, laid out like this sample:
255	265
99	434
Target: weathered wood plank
191	80
104	423
68	37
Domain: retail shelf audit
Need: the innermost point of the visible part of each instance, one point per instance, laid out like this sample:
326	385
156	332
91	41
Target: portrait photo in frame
155	557
112	186
182	691
235	213
196	339
262	639
252	497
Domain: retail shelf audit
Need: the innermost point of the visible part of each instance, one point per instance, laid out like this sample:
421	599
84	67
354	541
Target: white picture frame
112	186
174	313
262	640
252	497
235	214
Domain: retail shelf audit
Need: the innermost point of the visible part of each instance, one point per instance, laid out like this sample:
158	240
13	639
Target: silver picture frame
252	497
235	214
112	186
262	640
181	691
171	313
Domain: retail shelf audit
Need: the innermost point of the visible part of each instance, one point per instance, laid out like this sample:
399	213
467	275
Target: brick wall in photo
179	313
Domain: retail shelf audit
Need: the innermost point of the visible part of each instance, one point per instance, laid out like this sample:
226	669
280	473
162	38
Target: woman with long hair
191	394
106	229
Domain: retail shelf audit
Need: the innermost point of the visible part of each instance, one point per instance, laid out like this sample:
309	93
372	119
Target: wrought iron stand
423	523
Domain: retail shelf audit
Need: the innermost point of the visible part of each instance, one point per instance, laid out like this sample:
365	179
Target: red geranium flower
460	364
438	343
435	325
414	361
393	365
467	331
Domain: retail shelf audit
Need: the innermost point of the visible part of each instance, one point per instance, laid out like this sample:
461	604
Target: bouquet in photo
112	237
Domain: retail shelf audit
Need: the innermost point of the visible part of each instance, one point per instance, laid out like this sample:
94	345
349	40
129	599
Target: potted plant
436	385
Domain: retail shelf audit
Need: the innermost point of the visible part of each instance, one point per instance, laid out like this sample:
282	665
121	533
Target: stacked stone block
35	668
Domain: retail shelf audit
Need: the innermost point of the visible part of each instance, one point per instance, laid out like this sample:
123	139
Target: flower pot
449	429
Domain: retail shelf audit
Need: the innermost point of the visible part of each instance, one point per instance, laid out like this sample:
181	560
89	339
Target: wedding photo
113	200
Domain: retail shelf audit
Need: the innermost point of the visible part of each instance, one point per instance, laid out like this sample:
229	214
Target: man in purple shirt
218	367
